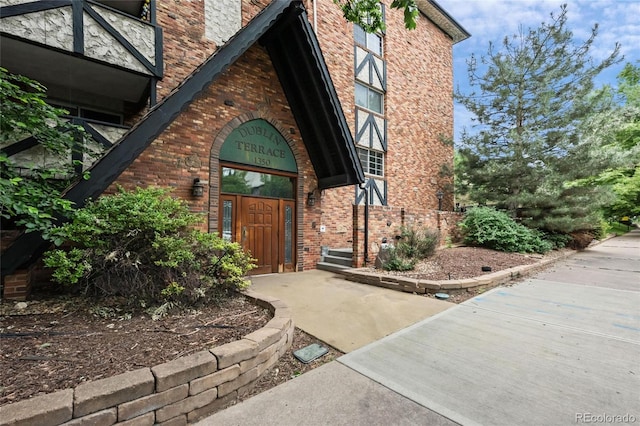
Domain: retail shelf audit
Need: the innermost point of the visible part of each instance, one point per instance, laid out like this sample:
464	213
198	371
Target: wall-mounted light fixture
311	198
197	190
439	194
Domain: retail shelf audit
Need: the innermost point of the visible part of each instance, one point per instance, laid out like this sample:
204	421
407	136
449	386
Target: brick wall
189	147
418	102
185	44
386	222
419	110
17	285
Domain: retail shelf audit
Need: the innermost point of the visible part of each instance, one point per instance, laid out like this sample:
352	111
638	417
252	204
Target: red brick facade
189	147
418	109
419	113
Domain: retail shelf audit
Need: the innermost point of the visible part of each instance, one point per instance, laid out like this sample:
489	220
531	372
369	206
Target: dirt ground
57	342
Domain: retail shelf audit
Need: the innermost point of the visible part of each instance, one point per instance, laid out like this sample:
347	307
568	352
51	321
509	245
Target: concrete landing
345	314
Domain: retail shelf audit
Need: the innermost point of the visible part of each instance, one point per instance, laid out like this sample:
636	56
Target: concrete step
341	252
338	260
331	267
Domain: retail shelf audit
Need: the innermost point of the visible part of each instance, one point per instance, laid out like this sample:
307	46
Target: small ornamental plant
413	245
142	245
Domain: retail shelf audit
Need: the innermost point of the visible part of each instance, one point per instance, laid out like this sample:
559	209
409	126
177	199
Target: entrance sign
258	143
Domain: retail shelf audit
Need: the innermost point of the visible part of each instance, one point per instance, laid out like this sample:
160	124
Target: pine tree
525	151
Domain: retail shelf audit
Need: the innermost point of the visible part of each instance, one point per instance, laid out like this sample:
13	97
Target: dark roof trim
432	10
304	76
30	247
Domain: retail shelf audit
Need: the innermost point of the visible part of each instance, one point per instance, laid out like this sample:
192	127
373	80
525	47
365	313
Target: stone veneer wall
177	392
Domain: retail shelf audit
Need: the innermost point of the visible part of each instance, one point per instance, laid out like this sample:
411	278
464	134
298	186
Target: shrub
557	240
31	199
487	227
417	244
141	245
413	245
398	262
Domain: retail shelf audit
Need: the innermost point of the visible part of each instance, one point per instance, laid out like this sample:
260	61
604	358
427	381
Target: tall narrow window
227	218
288	234
371	42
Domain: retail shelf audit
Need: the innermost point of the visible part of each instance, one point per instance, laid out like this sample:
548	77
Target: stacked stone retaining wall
177	392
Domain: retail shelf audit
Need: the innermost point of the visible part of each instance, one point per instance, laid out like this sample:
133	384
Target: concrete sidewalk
560	348
345	314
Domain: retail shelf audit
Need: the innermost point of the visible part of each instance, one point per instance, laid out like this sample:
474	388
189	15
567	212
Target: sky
492	20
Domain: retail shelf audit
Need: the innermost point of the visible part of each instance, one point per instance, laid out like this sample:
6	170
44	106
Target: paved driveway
562	348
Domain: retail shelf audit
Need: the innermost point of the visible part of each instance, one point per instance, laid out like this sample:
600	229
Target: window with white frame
369	41
372	161
369	98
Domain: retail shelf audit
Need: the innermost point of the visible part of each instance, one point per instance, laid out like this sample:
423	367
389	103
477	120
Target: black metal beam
36	6
78	26
20	146
123	41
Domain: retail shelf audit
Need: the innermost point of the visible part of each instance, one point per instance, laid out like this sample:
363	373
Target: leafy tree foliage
530	99
368	15
31	197
617	130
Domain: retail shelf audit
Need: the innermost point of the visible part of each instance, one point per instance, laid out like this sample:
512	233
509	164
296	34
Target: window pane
372	161
376	167
375	101
374	43
359	35
255	183
276	186
363	155
227	215
362	95
288	234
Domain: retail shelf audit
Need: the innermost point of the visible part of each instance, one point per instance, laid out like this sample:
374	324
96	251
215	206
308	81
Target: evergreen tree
525	152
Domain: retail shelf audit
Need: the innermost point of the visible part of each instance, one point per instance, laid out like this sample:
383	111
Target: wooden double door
265	227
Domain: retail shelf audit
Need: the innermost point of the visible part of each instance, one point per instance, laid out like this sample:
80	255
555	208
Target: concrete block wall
176	392
420	286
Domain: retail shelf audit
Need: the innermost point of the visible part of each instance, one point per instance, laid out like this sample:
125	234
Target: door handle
244	233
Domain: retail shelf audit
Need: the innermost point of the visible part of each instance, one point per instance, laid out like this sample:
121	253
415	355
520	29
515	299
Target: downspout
363	186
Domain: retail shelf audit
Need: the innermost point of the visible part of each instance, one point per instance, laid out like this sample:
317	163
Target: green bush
413	245
417	244
398	262
487	227
141	245
557	240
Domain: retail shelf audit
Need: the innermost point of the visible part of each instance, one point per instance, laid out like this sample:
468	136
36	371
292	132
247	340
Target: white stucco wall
223	18
51	27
